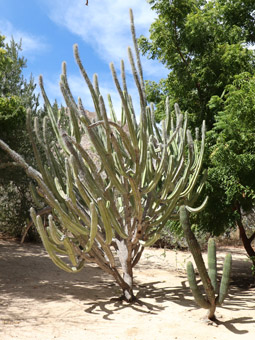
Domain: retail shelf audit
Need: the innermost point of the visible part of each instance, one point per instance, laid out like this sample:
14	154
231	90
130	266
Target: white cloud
30	43
104	25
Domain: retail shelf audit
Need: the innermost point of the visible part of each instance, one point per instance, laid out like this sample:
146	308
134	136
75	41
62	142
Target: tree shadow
27	272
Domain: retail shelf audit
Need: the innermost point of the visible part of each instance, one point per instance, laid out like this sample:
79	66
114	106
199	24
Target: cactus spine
118	202
208	278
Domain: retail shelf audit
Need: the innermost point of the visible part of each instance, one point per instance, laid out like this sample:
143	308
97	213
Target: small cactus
213	298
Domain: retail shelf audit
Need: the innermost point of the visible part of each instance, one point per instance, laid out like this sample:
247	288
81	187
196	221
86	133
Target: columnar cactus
209	278
118	203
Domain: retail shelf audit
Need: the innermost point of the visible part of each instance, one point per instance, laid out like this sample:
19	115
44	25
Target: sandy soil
39	301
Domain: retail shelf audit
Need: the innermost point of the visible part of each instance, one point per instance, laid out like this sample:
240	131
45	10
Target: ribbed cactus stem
212	264
224	286
198	296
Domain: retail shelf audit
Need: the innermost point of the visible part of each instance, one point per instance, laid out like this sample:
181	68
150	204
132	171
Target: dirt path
38	301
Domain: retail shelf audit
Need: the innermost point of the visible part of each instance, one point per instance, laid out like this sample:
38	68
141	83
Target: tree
205	46
232	155
16	95
117	204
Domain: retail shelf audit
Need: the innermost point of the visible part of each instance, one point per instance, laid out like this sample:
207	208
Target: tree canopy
206	45
16	95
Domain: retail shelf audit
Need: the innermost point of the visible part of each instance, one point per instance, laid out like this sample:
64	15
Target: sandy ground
39	301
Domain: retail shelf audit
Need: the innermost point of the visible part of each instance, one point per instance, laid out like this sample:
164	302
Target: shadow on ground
25	274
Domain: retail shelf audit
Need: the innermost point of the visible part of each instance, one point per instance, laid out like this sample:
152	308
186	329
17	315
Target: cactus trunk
125	258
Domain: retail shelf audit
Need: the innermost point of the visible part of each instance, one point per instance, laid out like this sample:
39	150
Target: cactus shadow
152	291
27	272
115	305
230	324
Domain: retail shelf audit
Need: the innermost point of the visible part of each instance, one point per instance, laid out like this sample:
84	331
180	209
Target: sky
50	28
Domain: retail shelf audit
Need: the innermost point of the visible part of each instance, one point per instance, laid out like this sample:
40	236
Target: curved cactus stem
198	209
225	279
198	296
150	240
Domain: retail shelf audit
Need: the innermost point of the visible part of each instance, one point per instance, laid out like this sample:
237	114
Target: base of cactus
211	314
128	296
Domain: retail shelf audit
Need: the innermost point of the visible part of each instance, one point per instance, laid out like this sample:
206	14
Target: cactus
209	278
116	204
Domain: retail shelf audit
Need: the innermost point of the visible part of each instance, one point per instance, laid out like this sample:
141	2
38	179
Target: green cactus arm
106	221
157	175
168	116
70	251
71	110
141	158
69	182
127	112
49	180
137	80
126	140
59	188
66	84
53	156
48	107
93	227
96	84
75	125
58	262
131	107
138	60
108	165
123	77
56	235
112	111
198	209
35	149
87	80
212	264
198	296
116	225
195	174
225	279
106	123
151	240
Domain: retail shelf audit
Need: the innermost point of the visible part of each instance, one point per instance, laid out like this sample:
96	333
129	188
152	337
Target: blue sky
49	28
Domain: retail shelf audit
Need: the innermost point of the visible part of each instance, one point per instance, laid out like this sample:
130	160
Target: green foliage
16	95
231	155
203	45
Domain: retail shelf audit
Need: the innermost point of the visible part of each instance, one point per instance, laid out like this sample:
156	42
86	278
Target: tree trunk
125	256
245	240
